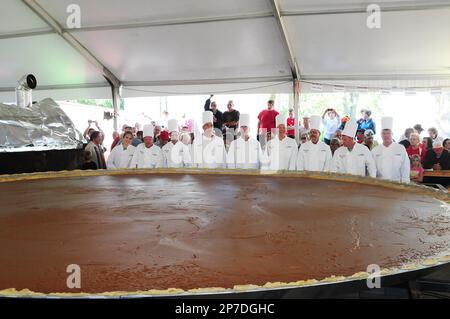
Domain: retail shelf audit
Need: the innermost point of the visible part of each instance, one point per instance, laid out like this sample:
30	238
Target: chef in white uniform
208	149
353	158
176	154
281	150
121	155
245	152
147	155
314	155
391	158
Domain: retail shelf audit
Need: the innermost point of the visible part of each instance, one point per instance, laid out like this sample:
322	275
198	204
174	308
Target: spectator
344	121
217	117
447	144
116	139
291	124
331	123
335	143
87	133
304	138
404	140
88	162
94	147
305	127
369	139
416	174
418	128
415	147
208	103
360	135
433	133
427	142
266	122
230	120
138	139
437	158
163	139
366	121
338	134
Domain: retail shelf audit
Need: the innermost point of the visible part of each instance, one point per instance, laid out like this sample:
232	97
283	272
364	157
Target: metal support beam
285	38
174	22
70	39
385	7
24	34
297	90
117	95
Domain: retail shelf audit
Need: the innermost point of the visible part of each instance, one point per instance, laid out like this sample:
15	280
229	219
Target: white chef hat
244	120
387	123
172	125
315	122
280	119
207	117
148	130
350	129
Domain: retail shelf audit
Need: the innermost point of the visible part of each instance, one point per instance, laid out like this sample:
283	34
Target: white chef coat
245	154
147	157
392	162
314	157
282	154
176	155
120	157
358	161
209	152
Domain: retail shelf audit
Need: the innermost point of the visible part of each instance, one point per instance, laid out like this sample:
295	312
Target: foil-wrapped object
43	126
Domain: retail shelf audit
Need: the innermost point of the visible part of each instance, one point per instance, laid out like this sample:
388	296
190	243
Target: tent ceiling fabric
49	58
412	44
207	45
231	49
119	12
16	17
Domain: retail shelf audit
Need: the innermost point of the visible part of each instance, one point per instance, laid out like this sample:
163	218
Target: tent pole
296	91
116	98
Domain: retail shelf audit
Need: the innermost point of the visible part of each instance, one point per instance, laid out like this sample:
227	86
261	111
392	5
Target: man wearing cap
437	158
245	152
147	155
281	150
353	158
176	154
314	155
391	158
208	149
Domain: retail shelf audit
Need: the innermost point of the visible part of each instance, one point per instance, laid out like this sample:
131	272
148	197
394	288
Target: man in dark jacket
437	158
217	115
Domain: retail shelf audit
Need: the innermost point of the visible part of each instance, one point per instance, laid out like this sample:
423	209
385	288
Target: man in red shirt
266	121
291	124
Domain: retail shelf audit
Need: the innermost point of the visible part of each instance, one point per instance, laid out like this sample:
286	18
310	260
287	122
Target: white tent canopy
165	47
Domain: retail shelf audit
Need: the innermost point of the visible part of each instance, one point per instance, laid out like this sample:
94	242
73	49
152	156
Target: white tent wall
214	45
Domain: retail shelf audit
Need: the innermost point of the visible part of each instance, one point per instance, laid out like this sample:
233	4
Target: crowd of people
327	143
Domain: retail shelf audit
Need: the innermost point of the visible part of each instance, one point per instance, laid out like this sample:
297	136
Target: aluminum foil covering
44	126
